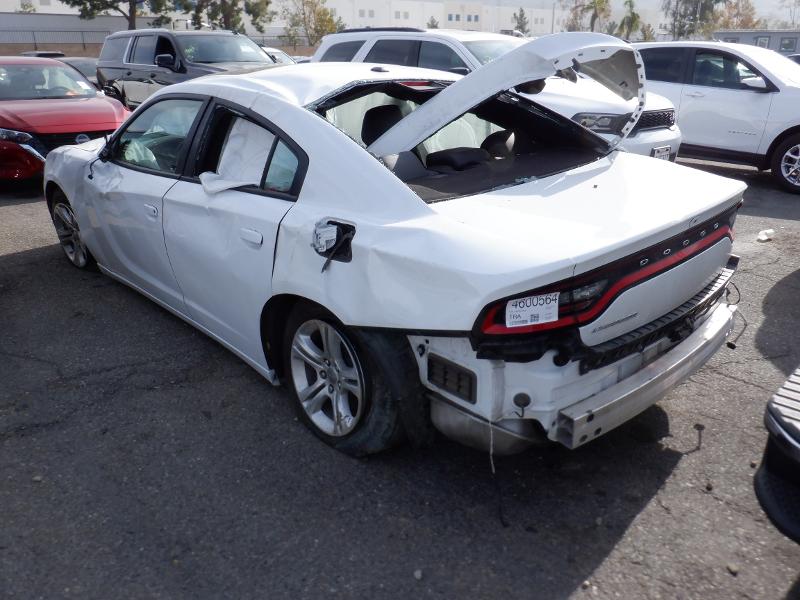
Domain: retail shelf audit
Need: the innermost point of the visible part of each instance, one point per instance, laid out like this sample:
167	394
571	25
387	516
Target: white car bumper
649	141
564	406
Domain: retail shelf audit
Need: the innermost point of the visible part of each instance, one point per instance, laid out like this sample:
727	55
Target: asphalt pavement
140	459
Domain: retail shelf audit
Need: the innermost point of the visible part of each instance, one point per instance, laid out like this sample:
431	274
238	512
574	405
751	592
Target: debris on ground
733	569
418	574
766	235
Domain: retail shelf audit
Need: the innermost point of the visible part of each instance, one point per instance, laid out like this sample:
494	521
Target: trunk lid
606	59
591	216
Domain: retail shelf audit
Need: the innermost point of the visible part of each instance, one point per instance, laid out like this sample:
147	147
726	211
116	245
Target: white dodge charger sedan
405	247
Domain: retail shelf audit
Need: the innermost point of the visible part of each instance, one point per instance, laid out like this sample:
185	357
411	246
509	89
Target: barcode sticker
532	310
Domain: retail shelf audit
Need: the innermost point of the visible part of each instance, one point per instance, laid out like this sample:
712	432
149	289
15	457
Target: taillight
580	299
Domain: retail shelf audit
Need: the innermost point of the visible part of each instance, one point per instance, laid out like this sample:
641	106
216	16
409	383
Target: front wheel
69	233
785	164
340	389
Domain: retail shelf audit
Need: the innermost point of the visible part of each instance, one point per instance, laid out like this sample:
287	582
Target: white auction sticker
84	85
532	310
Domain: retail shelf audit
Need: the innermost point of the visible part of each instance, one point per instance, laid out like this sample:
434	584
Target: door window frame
132	49
197	150
190	136
771	87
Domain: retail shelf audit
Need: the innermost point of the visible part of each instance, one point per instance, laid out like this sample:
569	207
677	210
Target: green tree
227	14
597	11
647	32
26	6
434	24
612	27
521	23
738	14
312	19
630	22
575	18
130	9
688	18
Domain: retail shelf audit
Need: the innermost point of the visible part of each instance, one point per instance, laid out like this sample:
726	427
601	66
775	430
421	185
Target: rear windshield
221	48
30	82
504	141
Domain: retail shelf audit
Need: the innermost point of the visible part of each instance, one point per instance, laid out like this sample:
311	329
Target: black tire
379	425
776	161
75	251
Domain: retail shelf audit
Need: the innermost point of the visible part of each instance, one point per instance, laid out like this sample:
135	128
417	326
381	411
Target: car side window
664	64
164	46
434	55
114	49
342	52
394	52
715	69
157	136
144	50
242	152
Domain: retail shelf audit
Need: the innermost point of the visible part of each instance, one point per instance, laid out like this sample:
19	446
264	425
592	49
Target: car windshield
487	50
781	66
279	57
30	82
221	48
87	66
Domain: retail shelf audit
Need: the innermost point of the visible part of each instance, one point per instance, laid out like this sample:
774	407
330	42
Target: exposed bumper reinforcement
598	414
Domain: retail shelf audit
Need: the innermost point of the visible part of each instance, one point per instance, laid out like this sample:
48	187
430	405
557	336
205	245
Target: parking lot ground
139	459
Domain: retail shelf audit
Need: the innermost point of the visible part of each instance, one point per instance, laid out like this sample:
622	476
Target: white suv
736	103
584	101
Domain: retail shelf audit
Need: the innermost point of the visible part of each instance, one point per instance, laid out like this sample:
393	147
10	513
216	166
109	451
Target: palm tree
599	9
630	22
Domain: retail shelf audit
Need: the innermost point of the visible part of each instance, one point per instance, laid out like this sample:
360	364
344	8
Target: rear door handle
251	235
129	72
151	210
695	94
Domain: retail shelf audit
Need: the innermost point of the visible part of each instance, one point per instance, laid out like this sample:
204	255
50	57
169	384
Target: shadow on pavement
20	192
777	338
140	456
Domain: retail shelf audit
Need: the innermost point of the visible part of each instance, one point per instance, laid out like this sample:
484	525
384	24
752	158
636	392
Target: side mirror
754	83
459	70
105	153
112	92
166	61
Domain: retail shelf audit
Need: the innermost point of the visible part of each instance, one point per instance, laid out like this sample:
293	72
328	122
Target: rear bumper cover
598	414
578	422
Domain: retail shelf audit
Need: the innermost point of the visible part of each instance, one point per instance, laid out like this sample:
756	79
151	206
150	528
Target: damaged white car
404	247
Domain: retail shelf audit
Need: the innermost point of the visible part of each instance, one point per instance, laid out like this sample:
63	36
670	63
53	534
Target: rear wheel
69	233
785	164
340	390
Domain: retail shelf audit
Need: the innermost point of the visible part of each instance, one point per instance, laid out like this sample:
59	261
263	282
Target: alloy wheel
790	165
69	235
327	377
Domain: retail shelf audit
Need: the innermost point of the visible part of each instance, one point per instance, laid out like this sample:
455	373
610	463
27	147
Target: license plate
661	152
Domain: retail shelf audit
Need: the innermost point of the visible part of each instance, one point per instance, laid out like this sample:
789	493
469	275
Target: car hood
62	115
606	59
235	67
594	214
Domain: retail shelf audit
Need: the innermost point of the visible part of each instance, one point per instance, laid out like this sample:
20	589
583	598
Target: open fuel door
606	59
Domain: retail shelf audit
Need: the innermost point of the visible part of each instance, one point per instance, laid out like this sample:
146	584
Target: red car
45	104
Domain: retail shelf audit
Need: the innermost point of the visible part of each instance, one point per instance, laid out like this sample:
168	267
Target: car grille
453	378
655	119
51	141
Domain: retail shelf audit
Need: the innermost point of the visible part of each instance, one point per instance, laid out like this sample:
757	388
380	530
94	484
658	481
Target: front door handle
695	94
151	210
251	235
128	73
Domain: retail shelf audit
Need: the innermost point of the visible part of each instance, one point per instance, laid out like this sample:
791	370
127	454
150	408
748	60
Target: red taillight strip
492	328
